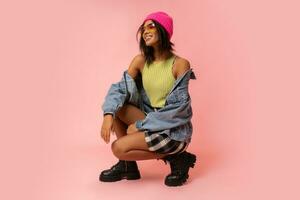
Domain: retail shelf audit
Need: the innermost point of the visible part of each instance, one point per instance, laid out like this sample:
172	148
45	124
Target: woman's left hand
132	129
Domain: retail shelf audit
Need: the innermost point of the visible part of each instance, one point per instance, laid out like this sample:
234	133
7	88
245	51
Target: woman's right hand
107	127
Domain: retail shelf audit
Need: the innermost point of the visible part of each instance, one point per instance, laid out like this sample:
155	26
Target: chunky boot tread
180	165
178	182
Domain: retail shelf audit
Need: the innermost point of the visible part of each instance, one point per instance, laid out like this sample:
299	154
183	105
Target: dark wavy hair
165	45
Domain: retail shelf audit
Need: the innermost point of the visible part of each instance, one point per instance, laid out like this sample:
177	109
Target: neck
161	56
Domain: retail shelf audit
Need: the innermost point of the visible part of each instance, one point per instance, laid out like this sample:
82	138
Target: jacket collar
189	73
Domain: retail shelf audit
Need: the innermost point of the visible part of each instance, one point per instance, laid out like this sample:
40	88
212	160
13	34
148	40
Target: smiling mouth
148	37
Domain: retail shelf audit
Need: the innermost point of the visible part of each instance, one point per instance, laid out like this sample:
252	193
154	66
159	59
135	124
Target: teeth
148	37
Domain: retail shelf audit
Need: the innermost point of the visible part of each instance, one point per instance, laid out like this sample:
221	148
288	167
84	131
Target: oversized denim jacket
174	119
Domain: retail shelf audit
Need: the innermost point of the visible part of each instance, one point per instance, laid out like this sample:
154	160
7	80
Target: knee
117	149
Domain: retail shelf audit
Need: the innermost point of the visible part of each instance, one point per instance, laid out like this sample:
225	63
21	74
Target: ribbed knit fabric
158	80
164	20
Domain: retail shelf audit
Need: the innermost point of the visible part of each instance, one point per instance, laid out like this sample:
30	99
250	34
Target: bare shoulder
136	65
181	65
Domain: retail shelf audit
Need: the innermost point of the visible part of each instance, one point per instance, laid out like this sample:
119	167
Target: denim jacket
174	119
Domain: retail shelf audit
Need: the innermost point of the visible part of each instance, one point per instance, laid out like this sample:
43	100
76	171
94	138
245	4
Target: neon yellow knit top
158	80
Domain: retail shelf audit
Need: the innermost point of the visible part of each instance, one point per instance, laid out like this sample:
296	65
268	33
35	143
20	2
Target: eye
148	27
151	26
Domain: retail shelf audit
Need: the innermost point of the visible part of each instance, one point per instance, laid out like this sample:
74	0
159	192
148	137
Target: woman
160	128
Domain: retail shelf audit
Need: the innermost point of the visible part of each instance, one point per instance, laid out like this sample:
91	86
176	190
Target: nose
146	31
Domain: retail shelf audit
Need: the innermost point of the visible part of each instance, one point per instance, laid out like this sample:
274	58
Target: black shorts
163	144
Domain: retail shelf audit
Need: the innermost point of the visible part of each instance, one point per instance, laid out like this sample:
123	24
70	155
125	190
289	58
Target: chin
150	44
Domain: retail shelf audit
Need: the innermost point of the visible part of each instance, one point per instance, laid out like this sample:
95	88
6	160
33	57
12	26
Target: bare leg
130	114
133	147
141	155
119	127
127	115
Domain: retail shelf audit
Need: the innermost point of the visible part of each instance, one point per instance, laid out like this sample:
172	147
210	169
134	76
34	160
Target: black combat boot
122	170
180	164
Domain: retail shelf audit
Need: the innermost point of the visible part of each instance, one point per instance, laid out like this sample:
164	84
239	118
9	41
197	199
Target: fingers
131	129
108	136
105	134
128	130
107	128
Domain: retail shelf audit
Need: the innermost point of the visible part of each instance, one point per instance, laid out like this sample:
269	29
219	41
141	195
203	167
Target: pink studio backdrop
58	59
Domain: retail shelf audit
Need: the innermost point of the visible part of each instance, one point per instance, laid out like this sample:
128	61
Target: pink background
58	59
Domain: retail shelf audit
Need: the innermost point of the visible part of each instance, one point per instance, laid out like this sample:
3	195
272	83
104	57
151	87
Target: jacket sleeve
115	98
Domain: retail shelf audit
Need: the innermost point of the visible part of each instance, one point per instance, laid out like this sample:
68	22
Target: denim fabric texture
174	119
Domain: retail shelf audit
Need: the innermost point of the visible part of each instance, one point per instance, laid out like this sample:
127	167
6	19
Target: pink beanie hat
164	20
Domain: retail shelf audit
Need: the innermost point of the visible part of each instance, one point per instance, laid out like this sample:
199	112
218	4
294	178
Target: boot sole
127	176
177	182
181	181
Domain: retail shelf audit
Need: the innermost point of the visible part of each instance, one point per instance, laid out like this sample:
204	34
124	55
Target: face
149	33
